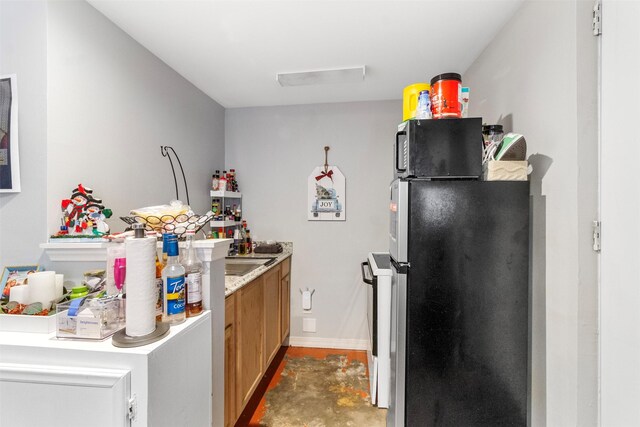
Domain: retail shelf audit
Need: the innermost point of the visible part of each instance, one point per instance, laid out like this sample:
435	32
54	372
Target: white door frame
620	215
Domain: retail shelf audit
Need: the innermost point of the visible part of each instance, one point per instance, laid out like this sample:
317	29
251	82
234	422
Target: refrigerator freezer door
396	410
398	226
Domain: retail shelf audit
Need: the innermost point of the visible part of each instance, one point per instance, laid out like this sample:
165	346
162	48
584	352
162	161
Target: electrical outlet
308	324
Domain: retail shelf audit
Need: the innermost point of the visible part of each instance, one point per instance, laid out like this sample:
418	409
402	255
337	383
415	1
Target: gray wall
274	150
111	105
540	80
95	106
23	51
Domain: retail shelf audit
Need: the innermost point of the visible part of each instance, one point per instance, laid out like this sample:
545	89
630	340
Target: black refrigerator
460	291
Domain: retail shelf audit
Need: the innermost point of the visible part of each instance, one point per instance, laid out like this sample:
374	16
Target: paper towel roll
59	285
141	286
42	288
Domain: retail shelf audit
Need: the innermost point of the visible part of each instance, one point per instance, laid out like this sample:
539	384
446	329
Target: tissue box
90	318
505	170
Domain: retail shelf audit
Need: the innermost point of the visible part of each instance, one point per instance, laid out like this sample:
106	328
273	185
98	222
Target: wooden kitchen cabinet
256	324
285	296
272	336
249	317
229	362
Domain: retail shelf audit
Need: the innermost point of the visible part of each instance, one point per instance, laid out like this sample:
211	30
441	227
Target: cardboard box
505	170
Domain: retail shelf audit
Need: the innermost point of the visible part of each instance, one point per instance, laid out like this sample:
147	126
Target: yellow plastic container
410	99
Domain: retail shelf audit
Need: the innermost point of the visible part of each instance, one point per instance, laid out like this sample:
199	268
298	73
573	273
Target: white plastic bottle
423	111
222	181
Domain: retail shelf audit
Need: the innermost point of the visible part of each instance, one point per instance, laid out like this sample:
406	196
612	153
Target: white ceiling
232	50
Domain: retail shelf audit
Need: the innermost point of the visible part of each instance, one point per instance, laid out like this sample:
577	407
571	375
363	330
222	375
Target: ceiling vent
321	77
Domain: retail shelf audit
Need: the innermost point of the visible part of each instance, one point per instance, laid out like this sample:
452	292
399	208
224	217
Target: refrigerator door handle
366	278
398	169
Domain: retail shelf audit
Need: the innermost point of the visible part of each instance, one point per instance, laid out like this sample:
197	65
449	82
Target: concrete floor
319	388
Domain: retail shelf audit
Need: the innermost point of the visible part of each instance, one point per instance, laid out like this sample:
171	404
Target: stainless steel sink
241	266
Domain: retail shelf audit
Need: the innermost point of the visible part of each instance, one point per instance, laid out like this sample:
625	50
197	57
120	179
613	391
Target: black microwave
443	148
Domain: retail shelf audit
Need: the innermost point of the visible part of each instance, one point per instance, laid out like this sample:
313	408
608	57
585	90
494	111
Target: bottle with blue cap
423	111
174	285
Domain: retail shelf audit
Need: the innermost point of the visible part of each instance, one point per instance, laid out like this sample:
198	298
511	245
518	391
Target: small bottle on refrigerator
423	111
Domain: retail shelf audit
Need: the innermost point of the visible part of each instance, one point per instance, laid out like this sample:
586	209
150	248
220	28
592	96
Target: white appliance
376	272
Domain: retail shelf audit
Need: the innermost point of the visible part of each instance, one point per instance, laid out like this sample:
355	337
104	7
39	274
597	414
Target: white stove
376	273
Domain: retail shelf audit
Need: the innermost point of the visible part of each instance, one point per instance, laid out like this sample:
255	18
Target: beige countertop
233	283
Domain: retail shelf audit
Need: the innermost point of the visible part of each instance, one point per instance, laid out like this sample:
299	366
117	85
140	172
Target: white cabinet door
61	395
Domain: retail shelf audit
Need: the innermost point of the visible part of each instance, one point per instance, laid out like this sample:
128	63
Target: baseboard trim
339	343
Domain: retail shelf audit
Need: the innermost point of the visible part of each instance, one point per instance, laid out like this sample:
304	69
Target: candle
59	285
19	294
42	288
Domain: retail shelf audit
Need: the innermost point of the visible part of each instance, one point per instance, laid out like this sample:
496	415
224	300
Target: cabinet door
249	341
271	314
285	267
285	313
229	362
31	395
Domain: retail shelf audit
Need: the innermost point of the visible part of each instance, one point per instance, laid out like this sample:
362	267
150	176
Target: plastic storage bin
90	318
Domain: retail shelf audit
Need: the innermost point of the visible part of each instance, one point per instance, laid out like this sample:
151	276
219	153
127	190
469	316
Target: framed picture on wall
9	162
326	194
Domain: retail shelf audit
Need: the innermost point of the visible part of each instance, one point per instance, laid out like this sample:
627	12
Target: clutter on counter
503	155
226	181
123	296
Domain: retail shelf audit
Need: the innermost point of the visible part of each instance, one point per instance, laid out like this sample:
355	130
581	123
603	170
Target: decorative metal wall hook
326	158
164	150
